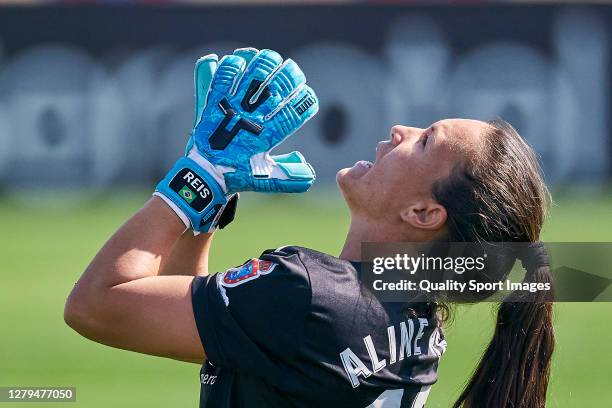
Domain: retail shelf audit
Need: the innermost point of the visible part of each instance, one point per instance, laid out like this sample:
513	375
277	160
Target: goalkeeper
293	327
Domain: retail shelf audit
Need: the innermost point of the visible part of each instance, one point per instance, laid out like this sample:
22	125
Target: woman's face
407	165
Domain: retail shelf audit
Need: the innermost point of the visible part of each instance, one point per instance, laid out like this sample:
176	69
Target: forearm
137	249
189	255
121	301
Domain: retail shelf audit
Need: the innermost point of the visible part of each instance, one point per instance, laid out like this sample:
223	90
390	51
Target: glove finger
292	174
273	184
285	81
230	68
203	72
247	53
250	91
293	113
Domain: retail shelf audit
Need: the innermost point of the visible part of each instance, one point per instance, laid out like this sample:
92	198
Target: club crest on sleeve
252	269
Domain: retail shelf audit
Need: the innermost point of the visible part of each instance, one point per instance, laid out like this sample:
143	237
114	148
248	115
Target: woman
294	327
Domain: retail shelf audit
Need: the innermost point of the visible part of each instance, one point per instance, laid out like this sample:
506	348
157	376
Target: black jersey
295	328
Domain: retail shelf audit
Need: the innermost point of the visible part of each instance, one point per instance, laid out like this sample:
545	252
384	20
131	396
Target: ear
427	216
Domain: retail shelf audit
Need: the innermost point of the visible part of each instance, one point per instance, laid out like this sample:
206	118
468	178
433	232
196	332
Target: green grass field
42	253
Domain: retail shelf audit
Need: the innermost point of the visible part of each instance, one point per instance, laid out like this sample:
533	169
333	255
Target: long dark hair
500	196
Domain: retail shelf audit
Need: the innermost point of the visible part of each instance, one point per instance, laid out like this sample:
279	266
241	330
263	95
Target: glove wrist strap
194	194
208	167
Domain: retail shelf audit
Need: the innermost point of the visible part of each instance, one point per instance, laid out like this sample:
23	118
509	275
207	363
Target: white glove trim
215	171
287	100
268	79
262	166
174	208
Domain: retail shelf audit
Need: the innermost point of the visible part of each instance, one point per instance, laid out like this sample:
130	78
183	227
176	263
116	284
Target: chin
343	181
346	179
341	174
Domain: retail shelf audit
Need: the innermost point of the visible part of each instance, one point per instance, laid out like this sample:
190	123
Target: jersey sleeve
252	316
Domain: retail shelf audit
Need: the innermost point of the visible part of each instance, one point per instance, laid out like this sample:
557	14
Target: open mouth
364	163
361	168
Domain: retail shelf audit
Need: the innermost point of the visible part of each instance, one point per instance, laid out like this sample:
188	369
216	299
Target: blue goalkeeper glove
246	104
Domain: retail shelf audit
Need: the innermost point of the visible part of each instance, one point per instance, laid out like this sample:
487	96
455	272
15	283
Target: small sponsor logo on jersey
209	373
303	104
207	379
253	269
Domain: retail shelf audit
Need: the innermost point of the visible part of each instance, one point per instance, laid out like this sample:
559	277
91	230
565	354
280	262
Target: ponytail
499	195
514	370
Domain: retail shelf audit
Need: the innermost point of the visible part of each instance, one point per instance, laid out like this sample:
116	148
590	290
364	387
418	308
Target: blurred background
96	103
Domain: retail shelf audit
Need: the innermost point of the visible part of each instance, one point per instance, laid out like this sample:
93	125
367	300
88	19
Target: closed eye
423	139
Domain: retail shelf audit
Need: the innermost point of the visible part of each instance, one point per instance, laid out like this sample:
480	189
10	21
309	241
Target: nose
400	133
